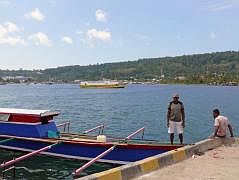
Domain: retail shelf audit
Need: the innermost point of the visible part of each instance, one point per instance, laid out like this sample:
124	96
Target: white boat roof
28	111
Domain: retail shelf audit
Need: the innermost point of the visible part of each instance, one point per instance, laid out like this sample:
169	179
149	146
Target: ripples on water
45	167
122	111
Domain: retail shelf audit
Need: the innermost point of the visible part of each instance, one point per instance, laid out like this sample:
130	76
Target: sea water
121	110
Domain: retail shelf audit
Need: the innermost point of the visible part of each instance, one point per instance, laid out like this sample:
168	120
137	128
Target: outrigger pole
13	161
79	170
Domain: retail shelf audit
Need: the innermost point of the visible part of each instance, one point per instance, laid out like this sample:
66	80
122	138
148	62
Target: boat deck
85	138
113	140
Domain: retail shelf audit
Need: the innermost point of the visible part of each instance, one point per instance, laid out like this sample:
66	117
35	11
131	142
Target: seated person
221	123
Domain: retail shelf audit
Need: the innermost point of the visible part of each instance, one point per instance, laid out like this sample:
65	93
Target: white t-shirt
223	123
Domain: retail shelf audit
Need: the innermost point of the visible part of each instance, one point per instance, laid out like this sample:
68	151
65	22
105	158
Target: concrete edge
153	163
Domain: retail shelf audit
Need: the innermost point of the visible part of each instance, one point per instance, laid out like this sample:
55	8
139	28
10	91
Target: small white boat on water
102	84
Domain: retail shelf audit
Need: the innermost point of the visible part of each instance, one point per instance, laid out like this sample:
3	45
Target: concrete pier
218	164
159	162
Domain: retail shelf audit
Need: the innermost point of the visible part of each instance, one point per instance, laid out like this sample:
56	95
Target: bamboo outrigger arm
13	161
79	170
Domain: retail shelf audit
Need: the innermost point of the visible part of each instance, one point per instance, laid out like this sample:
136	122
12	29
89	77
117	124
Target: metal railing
64	125
135	133
100	127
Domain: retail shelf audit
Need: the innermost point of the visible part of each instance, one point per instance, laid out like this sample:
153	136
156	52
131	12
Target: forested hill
198	68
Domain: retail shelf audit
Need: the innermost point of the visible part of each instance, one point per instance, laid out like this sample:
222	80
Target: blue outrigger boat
35	131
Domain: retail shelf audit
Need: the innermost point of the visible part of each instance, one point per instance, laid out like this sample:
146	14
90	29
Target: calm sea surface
121	110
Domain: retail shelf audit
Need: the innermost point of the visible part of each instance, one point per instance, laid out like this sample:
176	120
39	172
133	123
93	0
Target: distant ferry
102	84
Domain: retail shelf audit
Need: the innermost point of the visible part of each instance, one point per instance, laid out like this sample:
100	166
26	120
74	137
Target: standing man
221	123
176	118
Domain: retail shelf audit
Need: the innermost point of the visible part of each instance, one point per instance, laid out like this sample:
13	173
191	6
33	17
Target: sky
41	34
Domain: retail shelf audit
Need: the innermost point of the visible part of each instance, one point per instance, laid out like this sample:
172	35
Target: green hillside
199	68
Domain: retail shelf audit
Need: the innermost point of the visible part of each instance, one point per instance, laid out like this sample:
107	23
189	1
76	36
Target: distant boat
102	84
48	83
3	83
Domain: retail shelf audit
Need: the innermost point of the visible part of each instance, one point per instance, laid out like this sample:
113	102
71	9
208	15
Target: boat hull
122	154
102	86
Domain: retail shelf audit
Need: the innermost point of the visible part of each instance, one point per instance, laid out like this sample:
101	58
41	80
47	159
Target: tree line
198	68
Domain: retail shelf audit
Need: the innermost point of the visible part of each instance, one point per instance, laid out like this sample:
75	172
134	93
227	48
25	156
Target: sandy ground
218	164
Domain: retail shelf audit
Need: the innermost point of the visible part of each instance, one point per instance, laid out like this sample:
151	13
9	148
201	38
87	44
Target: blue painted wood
86	151
27	130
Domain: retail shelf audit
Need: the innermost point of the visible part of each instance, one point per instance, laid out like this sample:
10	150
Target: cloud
36	15
7	34
100	35
221	5
101	15
13	40
40	39
93	36
67	40
11	27
5	2
212	35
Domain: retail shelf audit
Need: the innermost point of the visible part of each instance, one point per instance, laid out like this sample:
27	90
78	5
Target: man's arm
168	115
183	116
230	129
215	131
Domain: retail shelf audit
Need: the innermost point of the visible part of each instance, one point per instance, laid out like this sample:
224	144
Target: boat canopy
28	111
26	115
